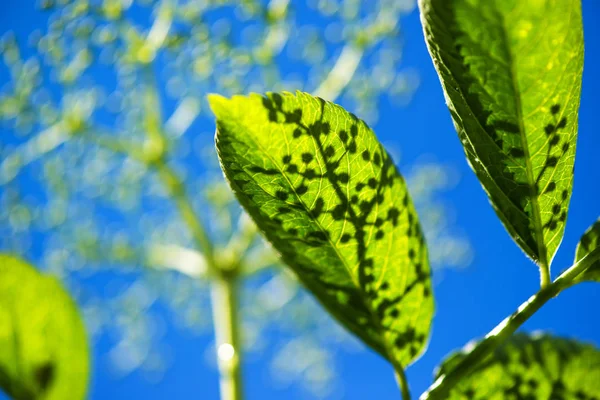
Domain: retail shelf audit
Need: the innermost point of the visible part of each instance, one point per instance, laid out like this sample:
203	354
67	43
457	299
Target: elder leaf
43	345
589	242
326	194
511	73
532	368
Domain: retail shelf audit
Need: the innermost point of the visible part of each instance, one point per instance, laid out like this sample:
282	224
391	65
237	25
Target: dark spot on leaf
343	136
302	189
343	177
44	375
517	152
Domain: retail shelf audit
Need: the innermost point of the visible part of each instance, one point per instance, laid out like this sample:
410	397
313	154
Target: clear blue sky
469	302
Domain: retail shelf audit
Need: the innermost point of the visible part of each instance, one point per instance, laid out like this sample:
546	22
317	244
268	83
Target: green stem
223	277
223	292
176	188
442	386
545	278
227	339
402	383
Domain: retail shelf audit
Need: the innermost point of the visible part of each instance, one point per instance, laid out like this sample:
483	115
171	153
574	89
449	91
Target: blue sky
470	301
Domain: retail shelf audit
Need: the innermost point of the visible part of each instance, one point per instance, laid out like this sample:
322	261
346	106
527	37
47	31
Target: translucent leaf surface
511	73
328	197
533	368
43	345
589	241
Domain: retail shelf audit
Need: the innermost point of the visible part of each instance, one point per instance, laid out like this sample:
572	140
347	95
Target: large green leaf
532	368
327	195
511	74
43	345
589	241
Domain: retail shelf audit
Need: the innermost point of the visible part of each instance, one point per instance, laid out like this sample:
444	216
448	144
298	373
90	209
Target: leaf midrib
537	223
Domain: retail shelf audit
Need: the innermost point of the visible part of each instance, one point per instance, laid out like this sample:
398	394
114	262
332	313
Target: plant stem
403	383
223	277
176	188
442	386
223	292
341	73
225	305
545	278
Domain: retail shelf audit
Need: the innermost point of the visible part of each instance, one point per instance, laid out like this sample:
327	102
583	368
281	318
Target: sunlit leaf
327	195
511	73
532	368
43	345
589	241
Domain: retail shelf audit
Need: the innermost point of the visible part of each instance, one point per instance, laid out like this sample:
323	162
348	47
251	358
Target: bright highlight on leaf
532	368
43	345
589	242
511	73
327	195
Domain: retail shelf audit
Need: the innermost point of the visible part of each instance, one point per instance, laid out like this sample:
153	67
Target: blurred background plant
108	176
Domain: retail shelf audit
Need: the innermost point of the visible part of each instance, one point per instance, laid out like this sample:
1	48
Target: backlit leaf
327	195
532	368
511	74
589	241
43	345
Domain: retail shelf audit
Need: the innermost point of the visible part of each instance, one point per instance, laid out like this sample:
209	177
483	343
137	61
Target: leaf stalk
402	382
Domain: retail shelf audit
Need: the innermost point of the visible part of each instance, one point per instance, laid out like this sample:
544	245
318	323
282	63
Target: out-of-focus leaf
43	345
511	73
532	368
327	195
589	242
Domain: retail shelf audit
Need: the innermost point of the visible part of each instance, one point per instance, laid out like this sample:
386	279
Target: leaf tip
218	104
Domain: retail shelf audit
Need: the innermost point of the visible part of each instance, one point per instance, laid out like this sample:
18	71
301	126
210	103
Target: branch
442	386
224	300
341	73
177	189
46	141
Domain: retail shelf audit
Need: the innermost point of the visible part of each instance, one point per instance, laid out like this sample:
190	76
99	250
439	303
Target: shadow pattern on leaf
356	200
589	242
532	368
519	166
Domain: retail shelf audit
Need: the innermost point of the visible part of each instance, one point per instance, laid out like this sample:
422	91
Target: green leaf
43	345
532	368
511	74
589	241
327	195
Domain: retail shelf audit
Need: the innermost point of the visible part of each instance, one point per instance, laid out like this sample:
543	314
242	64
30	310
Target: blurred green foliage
43	345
